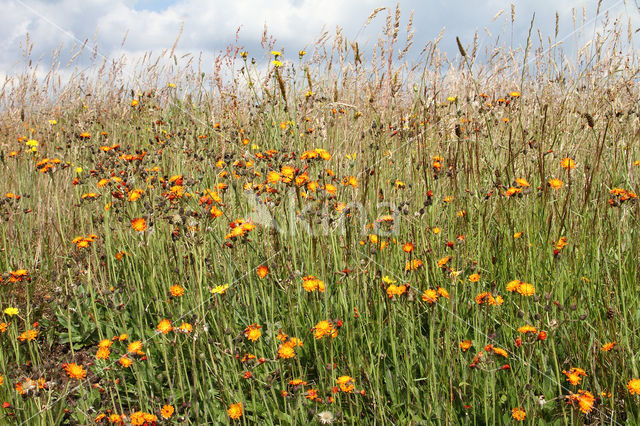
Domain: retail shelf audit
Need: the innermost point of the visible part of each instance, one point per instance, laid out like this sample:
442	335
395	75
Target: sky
211	25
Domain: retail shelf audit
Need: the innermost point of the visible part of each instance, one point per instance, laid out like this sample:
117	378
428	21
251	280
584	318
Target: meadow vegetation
337	235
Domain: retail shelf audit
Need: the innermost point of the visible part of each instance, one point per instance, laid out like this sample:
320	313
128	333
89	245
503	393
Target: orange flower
164	326
527	329
408	247
346	383
135	347
414	264
176	290
235	411
29	335
585	400
465	345
430	296
263	270
568	163
555	183
253	332
324	328
518	414
103	353
574	375
634	386
608	346
125	362
167	411
474	278
139	224
286	351
75	371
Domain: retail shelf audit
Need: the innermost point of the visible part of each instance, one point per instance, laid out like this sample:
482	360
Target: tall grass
457	157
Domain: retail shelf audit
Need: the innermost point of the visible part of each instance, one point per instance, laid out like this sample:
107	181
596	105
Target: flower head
75	371
235	411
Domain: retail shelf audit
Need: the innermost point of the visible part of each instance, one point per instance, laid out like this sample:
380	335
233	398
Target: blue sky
210	25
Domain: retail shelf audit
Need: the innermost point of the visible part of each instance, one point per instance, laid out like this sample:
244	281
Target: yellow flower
277	63
388	280
11	311
568	163
220	289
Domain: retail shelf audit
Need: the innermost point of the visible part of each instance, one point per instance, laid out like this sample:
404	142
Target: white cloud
211	25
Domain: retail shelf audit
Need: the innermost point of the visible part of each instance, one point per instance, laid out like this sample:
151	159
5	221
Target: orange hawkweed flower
235	411
164	326
324	328
75	371
634	386
103	353
286	351
465	345
139	224
430	296
585	400
28	336
125	362
311	283
408	247
555	183
263	270
253	332
394	290
527	329
176	290
574	375
608	346
413	264
346	383
167	411
568	163
518	414
474	278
